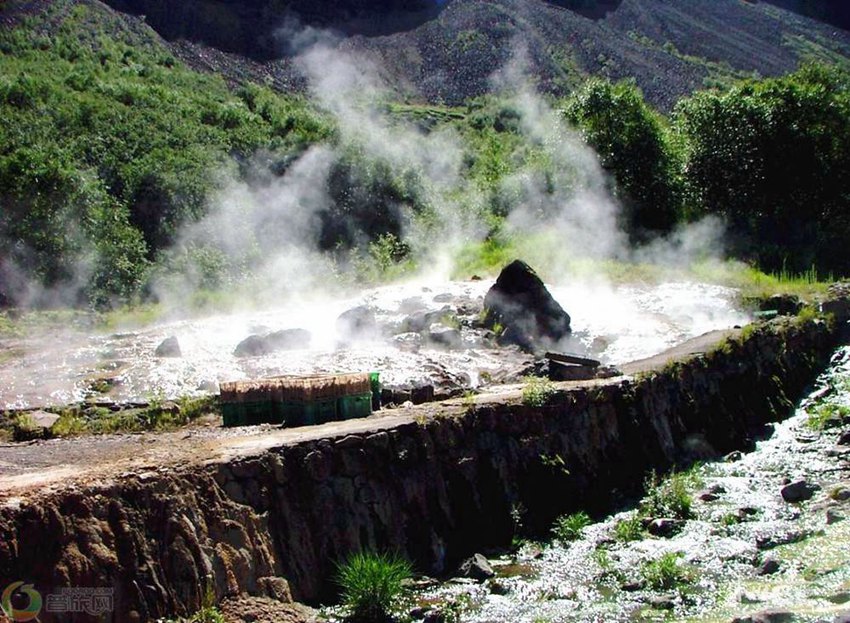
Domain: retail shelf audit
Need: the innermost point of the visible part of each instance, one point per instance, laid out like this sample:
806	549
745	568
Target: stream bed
746	554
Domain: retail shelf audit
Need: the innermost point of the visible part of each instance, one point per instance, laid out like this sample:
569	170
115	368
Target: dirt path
43	466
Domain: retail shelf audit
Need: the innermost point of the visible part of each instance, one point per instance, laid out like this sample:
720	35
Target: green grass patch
730	519
630	529
372	585
755	284
130	317
670	496
569	527
667	572
8	327
93	420
24	428
537	391
826	415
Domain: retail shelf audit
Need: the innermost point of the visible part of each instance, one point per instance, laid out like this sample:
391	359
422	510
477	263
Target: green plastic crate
352	407
250	413
308	413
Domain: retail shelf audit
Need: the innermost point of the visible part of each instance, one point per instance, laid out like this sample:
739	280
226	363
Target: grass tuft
371	585
569	527
670	496
537	391
627	530
826	415
667	572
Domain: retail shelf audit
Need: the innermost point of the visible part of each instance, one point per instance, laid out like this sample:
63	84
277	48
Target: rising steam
271	229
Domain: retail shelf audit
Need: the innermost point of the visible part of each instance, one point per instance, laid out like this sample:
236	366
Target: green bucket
375	381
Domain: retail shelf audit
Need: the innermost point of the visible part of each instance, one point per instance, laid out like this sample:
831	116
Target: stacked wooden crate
297	400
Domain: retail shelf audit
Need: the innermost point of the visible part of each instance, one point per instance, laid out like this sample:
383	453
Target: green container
353	407
375	380
308	413
324	411
250	413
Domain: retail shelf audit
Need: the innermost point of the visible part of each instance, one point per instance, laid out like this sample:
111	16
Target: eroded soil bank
437	486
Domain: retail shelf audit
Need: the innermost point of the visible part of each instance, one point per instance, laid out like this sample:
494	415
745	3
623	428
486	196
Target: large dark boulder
358	323
169	347
521	311
258	345
289	339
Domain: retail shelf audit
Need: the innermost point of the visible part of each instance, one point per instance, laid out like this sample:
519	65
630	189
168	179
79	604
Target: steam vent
521	310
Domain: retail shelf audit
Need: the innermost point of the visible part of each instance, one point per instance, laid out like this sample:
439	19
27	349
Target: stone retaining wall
435	489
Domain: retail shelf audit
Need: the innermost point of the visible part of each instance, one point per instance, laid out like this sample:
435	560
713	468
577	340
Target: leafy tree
771	157
635	146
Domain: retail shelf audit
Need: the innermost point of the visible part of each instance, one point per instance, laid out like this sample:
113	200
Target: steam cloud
270	226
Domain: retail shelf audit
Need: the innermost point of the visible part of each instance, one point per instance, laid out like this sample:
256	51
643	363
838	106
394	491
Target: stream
746	555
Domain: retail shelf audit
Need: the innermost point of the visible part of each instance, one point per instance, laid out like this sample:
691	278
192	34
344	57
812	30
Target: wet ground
745	551
614	324
42	466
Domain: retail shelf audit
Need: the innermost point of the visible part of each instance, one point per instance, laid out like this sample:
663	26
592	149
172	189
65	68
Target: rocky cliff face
446	51
435	489
251	28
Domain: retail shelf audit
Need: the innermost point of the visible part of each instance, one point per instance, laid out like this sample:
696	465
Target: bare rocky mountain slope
448	51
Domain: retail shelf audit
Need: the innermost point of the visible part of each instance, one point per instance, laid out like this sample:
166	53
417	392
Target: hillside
446	52
120	164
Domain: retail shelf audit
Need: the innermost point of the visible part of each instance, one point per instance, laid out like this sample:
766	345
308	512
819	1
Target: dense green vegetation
90	419
635	145
771	157
109	145
569	527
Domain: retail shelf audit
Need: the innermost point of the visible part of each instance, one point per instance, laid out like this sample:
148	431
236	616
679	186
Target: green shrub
730	519
825	415
537	391
667	572
781	211
208	614
669	497
69	424
24	427
636	147
569	527
109	145
193	408
371	585
630	529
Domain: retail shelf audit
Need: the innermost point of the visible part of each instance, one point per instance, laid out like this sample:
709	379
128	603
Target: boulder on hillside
477	567
169	347
357	323
799	491
252	346
523	310
34	425
289	339
258	345
441	335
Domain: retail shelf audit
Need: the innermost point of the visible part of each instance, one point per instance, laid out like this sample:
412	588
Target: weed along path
27	468
757	536
269	512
